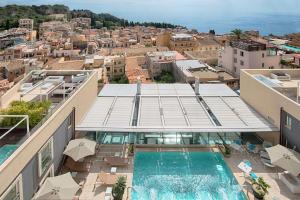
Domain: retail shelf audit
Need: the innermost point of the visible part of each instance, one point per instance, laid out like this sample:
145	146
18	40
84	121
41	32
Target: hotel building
275	94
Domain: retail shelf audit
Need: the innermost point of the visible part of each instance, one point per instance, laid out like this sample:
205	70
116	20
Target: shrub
119	188
35	110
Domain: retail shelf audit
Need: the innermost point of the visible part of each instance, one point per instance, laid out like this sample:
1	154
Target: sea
277	17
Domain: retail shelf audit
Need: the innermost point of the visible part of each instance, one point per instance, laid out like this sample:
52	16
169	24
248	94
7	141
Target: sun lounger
107	179
267	162
116	161
292	182
73	166
252	148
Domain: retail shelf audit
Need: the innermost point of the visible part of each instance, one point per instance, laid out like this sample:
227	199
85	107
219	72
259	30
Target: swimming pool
183	176
6	151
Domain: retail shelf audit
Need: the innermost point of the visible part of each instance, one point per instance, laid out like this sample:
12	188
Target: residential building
157	62
26	23
13	70
275	94
296	60
37	153
114	66
248	54
82	22
182	42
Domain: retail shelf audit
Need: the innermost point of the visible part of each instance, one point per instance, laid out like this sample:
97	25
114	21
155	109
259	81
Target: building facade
247	54
275	94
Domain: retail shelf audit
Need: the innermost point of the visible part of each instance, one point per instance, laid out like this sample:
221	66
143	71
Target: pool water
6	151
183	176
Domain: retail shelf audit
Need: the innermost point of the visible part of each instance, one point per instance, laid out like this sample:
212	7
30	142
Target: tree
119	188
35	110
237	33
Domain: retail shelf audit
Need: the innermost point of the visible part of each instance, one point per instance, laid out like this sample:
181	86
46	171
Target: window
49	173
235	51
288	122
262	65
234	68
263	55
241	62
235	60
15	191
115	71
242	53
45	156
108	68
120	70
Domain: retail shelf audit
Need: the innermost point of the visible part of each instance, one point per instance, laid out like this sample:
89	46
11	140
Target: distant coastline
276	23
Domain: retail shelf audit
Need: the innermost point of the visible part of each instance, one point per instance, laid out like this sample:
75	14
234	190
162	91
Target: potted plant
119	188
225	149
260	188
131	149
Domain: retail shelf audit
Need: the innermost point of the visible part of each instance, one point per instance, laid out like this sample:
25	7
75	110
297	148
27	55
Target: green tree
119	188
237	33
35	110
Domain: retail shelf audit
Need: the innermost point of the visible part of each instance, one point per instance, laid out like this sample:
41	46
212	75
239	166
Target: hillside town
141	112
130	52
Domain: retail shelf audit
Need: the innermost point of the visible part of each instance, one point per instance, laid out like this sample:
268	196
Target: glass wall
168	138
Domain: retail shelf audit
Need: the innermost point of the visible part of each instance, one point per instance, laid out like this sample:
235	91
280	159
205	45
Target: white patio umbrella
80	148
285	158
61	187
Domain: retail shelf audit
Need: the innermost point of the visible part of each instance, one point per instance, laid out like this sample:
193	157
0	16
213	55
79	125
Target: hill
10	14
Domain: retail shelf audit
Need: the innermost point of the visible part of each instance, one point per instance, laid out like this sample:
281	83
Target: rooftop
248	45
286	82
56	86
171	107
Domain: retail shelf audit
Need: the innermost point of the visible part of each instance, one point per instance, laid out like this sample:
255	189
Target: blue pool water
6	151
183	176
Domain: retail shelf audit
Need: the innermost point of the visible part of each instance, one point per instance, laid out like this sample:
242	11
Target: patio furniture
285	158
292	182
73	166
116	161
267	162
58	187
113	170
80	148
252	148
108	191
107	198
107	179
253	175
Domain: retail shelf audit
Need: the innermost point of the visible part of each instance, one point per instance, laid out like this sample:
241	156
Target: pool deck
90	190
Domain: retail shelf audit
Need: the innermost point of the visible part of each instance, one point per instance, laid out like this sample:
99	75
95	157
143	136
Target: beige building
182	42
114	66
274	93
247	54
38	154
26	23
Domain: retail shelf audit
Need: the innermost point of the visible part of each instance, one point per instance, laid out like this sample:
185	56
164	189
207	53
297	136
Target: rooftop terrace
55	86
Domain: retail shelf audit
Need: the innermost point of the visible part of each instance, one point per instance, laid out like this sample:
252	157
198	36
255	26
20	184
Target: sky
275	15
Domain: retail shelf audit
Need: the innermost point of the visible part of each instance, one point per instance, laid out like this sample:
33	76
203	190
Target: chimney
139	86
197	86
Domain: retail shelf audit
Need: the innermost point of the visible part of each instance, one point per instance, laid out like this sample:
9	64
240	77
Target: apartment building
26	23
114	66
275	94
157	62
35	153
182	42
248	54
